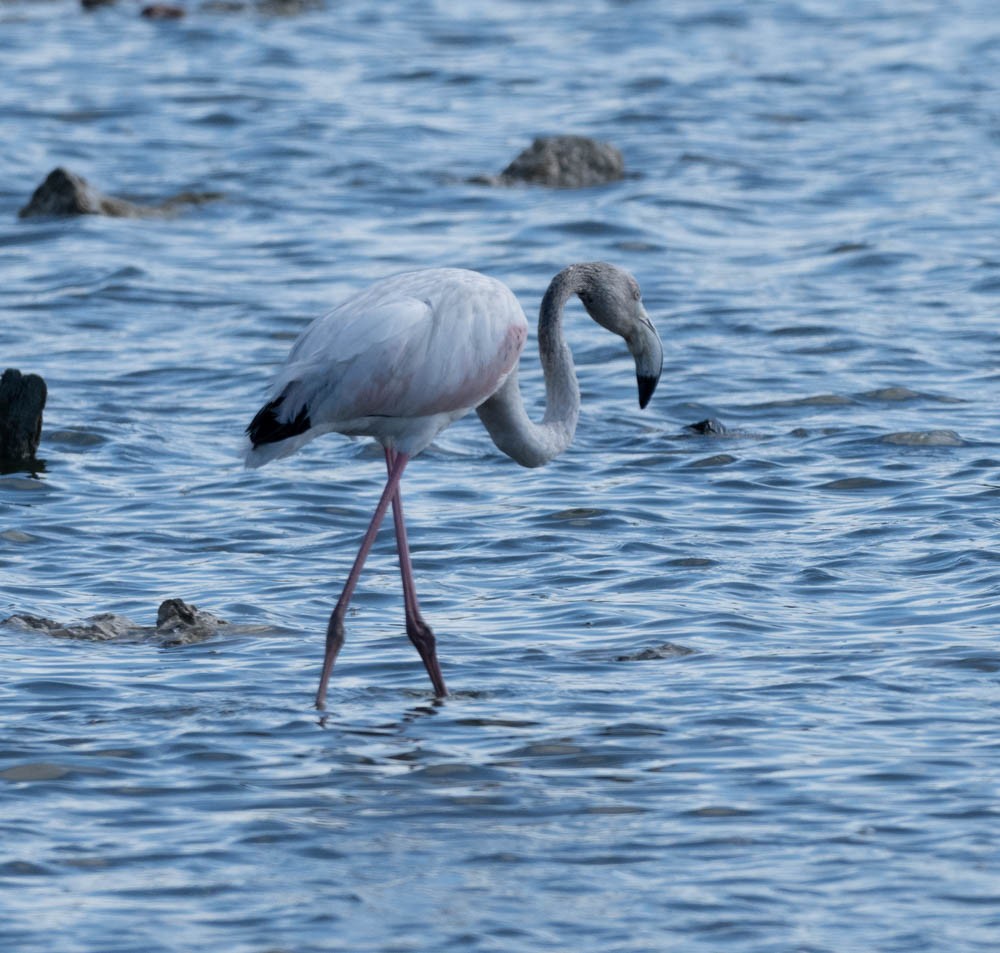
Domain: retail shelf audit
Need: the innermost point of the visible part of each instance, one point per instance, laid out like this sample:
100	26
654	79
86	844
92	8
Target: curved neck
504	416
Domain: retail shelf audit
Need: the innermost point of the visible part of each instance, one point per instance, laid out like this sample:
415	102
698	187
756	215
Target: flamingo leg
416	628
335	628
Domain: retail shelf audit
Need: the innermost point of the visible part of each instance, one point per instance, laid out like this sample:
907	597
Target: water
808	761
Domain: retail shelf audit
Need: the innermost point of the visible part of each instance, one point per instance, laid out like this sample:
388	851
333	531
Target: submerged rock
712	427
22	399
66	193
925	438
184	622
708	428
666	650
894	393
177	623
98	628
562	162
287	8
162	11
274	8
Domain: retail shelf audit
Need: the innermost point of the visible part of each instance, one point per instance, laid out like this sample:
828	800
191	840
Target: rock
98	628
66	193
184	198
286	8
22	399
162	11
562	162
666	650
708	428
925	438
274	8
177	623
185	623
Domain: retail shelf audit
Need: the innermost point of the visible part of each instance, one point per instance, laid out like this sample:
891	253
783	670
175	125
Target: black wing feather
266	427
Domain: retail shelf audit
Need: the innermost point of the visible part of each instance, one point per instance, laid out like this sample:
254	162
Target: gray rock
274	8
562	162
22	399
177	623
104	627
925	438
162	11
710	427
183	623
664	651
66	193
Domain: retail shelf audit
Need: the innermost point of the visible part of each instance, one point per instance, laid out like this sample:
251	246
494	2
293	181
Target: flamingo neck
504	415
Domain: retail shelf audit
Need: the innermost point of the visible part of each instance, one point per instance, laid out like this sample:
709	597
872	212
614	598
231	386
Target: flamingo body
399	362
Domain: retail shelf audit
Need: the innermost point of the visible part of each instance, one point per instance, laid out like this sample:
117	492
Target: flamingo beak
646	387
647	351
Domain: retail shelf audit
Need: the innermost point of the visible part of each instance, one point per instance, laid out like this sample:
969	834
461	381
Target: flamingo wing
415	351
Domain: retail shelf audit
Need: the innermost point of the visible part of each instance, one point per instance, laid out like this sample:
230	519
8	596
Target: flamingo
413	353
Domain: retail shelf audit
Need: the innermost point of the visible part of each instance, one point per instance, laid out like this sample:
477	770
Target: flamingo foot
334	643
423	639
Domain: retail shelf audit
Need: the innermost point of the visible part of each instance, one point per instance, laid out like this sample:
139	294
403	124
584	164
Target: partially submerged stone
275	8
162	11
177	623
925	438
664	651
104	627
22	399
562	162
66	193
185	623
710	427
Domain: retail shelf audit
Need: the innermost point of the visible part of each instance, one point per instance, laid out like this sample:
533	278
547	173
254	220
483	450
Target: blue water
710	693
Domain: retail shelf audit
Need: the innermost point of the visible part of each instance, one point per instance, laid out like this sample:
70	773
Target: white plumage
399	361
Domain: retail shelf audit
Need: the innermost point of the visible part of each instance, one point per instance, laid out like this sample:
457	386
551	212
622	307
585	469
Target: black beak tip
646	387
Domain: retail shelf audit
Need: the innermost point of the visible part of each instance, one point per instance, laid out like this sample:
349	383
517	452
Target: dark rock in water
708	428
925	438
94	4
66	193
177	623
22	399
187	623
286	8
162	11
274	8
98	628
667	650
562	162
184	198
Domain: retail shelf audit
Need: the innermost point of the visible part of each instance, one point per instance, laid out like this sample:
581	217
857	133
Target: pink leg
416	628
335	628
